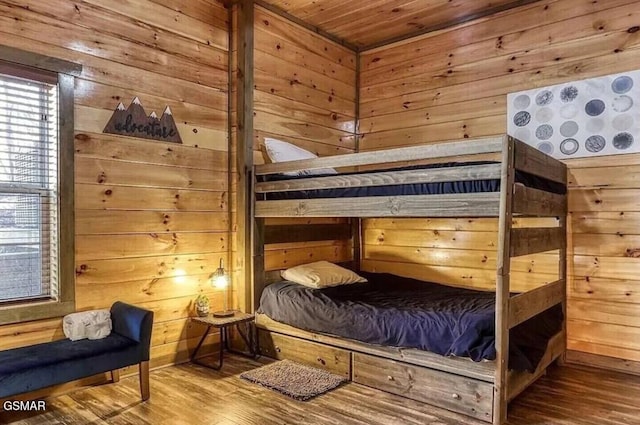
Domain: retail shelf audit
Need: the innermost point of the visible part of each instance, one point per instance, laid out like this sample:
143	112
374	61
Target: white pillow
279	151
321	274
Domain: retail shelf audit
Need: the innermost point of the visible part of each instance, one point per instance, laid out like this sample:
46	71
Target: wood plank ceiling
367	23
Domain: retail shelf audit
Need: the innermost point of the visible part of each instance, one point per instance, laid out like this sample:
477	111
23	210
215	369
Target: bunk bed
521	182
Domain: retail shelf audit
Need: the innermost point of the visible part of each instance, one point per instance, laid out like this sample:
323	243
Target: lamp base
225	313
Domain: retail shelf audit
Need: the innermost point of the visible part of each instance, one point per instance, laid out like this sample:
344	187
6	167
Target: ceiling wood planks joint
366	24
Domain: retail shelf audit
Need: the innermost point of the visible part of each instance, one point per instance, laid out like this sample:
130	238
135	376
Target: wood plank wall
304	94
453	84
151	217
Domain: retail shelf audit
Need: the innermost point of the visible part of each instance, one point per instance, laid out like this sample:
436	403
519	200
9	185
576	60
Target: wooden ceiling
367	23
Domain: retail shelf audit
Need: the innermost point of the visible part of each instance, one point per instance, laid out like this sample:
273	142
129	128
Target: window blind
28	187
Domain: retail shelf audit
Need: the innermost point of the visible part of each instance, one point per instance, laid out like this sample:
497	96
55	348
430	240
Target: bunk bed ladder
507	176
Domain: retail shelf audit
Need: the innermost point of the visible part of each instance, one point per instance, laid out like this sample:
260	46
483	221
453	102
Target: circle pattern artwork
622	103
569	128
592	117
522	118
544	115
594	107
545	97
622	84
595	125
622	122
569	94
544	132
522	102
595	143
595	88
546	147
569	111
569	146
622	141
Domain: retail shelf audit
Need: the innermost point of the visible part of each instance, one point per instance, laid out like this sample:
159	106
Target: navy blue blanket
400	312
471	186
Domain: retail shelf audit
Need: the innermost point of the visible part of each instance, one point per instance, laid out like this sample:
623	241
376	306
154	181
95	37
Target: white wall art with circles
599	116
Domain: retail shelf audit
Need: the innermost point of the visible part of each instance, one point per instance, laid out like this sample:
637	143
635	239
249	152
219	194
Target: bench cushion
51	353
40	376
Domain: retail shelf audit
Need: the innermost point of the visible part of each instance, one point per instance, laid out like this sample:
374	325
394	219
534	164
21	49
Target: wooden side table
224	323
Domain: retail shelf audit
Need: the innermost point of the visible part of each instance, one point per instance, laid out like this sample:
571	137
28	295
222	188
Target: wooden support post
562	274
356	222
115	375
244	154
144	380
500	396
259	281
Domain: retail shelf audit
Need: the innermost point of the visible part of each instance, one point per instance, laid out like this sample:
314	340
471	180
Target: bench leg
115	375
144	380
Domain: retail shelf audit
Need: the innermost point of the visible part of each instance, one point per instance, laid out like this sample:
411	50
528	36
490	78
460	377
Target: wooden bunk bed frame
481	390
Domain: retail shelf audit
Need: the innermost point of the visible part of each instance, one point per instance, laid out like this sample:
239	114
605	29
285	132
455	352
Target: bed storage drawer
278	346
452	392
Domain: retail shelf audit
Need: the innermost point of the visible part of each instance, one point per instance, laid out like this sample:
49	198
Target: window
28	188
36	190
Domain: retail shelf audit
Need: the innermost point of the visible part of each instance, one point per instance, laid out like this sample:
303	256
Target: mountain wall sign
134	121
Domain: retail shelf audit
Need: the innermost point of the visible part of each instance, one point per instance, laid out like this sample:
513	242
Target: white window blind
28	188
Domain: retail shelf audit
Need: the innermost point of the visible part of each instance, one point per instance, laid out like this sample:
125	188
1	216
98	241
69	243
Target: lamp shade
220	280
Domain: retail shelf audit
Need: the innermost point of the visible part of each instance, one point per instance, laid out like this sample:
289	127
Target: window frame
40	67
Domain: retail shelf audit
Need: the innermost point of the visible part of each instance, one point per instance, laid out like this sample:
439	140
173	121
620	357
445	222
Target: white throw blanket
95	324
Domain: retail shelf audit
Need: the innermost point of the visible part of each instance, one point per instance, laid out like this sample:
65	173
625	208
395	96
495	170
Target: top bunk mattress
394	311
470	186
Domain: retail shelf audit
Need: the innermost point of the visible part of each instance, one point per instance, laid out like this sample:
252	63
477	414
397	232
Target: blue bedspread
470	186
400	312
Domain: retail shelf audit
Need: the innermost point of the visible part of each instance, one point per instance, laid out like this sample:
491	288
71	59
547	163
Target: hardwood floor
190	394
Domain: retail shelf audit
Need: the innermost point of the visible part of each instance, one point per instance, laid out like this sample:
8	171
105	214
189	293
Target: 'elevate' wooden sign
133	121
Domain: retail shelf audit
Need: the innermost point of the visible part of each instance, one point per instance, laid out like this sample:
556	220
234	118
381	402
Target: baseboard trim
603	362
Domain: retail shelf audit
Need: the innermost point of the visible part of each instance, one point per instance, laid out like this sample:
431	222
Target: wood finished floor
190	394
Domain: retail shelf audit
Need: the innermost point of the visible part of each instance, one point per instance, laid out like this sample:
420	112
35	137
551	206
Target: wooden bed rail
385	178
482	204
527	304
449	149
532	161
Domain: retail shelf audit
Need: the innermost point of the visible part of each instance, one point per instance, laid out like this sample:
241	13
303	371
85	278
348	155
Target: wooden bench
30	368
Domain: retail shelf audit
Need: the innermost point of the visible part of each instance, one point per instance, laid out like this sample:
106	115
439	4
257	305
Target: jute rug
293	379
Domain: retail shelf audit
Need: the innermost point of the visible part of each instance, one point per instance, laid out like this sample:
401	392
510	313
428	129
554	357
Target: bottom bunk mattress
394	311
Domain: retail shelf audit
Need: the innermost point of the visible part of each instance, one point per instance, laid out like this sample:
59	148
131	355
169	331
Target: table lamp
220	280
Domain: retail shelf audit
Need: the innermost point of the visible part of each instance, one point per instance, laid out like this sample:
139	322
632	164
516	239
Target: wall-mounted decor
599	116
133	121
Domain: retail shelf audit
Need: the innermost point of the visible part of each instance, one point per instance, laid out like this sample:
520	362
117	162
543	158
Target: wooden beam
304	24
483	204
505	220
385	178
447	149
525	241
306	233
534	162
562	275
534	202
35	60
244	155
356	222
448	24
527	304
230	159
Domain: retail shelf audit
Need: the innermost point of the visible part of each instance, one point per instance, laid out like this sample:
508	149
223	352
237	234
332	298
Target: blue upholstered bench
38	366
